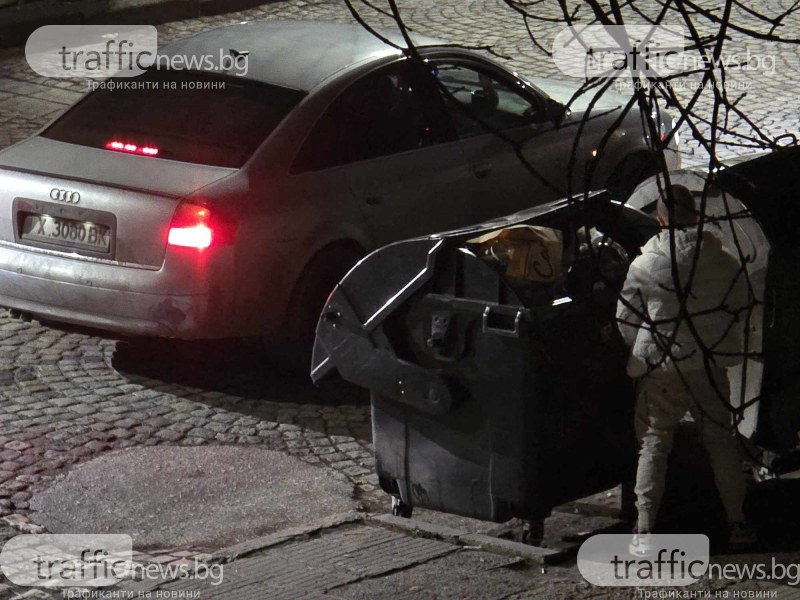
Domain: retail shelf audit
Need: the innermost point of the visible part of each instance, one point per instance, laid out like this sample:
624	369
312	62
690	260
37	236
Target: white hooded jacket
649	312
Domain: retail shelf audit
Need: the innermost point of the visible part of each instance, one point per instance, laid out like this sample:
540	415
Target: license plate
81	235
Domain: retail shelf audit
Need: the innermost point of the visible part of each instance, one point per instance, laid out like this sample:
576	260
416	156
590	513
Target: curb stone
231	553
418	528
533	554
487	543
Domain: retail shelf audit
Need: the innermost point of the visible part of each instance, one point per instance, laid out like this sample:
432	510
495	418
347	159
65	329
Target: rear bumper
124	300
148	315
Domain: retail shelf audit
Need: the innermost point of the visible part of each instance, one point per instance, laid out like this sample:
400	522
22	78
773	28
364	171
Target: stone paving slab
319	565
467	575
257	544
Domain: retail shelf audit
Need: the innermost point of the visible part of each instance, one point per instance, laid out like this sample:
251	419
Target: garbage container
491	397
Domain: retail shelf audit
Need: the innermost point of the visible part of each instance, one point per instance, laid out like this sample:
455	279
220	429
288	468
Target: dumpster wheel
400	508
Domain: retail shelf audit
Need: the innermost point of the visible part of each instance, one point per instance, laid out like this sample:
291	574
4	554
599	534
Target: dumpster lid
388	276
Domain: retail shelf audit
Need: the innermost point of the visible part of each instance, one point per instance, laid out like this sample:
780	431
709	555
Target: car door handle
373	199
481	170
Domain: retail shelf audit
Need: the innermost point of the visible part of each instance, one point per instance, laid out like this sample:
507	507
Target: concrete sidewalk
353	556
358	556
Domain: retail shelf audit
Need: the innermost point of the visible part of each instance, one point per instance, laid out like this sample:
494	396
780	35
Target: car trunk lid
91	203
39	155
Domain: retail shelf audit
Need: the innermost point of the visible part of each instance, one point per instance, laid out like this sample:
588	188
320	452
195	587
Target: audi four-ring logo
65	196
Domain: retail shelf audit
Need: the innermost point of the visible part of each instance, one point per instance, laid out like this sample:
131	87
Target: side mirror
555	111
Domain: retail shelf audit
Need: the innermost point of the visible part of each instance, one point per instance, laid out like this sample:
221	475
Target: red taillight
191	227
131	148
199	236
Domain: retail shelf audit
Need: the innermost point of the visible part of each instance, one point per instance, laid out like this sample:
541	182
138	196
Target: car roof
294	54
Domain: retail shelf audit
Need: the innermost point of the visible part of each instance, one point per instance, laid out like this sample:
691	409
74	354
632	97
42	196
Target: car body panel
405	195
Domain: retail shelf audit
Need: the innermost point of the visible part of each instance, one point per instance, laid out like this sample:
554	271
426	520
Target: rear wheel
401	509
319	277
532	532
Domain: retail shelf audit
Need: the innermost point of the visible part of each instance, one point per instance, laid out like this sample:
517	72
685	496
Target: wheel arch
336	248
631	170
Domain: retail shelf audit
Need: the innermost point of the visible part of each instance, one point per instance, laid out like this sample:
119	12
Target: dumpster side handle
494	322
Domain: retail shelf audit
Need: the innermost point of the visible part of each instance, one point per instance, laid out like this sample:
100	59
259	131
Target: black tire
319	277
401	509
532	532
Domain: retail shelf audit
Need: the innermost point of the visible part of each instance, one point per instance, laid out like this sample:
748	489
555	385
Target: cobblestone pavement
66	396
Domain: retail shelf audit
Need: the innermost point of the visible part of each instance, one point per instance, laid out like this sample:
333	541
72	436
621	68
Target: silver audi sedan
209	204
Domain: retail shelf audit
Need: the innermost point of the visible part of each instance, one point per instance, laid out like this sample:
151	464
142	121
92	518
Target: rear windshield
193	117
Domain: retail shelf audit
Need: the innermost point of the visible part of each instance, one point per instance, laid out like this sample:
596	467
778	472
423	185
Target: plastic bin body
537	418
767	186
489	399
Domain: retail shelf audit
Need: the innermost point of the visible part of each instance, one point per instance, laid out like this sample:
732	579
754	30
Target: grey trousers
663	398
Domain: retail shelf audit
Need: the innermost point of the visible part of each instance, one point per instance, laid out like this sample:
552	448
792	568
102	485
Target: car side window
479	101
384	113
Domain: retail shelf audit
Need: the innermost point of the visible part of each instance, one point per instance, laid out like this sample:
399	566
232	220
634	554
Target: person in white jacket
682	312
